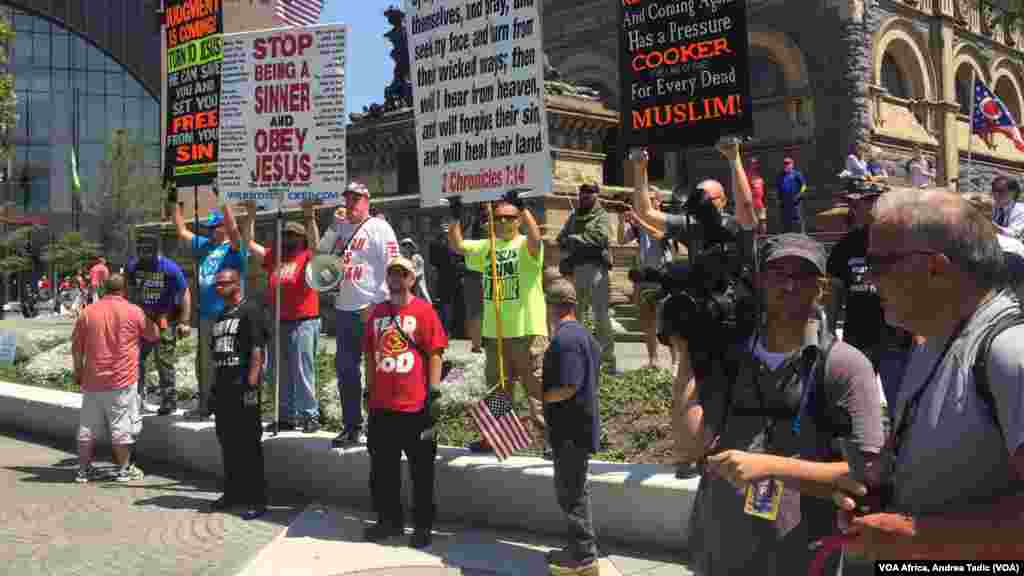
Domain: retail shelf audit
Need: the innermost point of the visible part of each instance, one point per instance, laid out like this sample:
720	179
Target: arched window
1008	94
964	87
766	77
893	78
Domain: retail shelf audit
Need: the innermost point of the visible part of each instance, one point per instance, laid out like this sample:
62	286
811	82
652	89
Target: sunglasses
225	283
506	218
879	264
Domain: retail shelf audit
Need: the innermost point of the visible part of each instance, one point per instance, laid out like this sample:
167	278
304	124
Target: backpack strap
981	358
826	417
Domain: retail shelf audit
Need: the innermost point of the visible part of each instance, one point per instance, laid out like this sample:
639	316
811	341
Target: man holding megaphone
364	245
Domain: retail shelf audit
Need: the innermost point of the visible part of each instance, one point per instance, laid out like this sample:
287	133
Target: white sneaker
84	475
129	474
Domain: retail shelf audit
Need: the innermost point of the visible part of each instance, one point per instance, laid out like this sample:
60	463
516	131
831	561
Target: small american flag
299	12
499	425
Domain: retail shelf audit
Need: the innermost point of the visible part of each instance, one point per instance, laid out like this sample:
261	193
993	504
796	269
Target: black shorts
473	288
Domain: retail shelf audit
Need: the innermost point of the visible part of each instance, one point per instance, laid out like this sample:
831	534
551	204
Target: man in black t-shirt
864	327
571	372
239	348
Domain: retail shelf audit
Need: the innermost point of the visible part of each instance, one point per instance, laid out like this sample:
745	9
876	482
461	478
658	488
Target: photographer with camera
711	195
762	407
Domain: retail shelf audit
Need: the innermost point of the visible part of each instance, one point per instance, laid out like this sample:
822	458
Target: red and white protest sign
282	130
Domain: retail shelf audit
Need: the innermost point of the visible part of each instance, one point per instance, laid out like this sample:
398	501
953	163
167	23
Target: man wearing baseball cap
300	317
790	186
864	325
571	374
220	249
404	345
365	245
766	414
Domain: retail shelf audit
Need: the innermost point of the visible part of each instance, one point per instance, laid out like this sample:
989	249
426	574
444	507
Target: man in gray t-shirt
955	461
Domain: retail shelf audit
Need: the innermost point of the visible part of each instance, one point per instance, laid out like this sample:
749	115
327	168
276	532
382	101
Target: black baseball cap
793	244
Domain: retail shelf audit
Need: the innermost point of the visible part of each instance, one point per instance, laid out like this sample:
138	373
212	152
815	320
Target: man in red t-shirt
98	274
757	190
300	318
404	343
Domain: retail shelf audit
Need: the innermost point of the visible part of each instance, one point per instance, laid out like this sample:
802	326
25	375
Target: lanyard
909	411
805	393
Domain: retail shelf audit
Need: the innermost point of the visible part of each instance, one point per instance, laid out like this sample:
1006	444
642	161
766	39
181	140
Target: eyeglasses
800	275
879	264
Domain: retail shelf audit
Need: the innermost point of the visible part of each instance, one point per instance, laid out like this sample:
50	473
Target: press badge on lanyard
764	497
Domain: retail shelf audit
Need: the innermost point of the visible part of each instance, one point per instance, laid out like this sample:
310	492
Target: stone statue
550	72
399	93
554	83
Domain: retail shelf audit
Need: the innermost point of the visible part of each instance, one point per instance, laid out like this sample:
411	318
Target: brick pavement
51	525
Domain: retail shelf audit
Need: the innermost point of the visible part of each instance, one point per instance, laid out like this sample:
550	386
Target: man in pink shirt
98	275
757	189
105	349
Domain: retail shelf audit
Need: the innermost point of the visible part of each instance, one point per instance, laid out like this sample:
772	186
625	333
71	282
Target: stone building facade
894	73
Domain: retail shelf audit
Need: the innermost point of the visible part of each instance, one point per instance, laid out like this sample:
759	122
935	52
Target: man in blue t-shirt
220	250
571	371
158	286
791	187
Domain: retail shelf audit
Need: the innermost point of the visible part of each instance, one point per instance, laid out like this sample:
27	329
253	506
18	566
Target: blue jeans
447	317
348	364
299	341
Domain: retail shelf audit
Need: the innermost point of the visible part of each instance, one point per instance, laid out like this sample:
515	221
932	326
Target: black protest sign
684	72
194	56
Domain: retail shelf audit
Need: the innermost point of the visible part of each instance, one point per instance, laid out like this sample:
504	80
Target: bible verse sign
282	131
684	72
477	71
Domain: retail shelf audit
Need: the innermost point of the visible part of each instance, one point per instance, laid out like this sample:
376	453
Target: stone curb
636	504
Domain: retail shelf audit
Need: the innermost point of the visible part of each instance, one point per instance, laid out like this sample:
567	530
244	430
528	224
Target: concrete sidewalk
161	525
326	540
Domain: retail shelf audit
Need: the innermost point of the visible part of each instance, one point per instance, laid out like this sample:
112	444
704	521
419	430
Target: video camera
713	289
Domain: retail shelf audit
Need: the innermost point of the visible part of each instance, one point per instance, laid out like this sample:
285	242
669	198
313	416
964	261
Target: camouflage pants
164	350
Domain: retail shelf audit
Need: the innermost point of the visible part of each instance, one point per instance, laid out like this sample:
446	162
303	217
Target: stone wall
982	174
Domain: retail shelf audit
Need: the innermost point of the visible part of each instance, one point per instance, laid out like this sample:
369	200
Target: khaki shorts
523	360
112	414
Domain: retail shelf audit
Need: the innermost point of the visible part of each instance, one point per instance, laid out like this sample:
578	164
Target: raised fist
455	207
512	197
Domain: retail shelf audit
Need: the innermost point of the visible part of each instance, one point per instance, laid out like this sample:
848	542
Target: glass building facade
72	94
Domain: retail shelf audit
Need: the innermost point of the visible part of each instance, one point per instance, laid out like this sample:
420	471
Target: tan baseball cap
561	291
294	228
402	262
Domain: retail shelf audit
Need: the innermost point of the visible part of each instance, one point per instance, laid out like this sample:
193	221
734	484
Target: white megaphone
324	273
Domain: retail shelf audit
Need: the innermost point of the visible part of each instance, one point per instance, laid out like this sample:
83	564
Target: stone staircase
626	314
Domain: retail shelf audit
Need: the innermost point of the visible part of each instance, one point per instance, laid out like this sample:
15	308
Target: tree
70	252
132	193
16	251
8	99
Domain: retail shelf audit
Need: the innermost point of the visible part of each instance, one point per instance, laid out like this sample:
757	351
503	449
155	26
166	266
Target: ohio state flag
991	116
